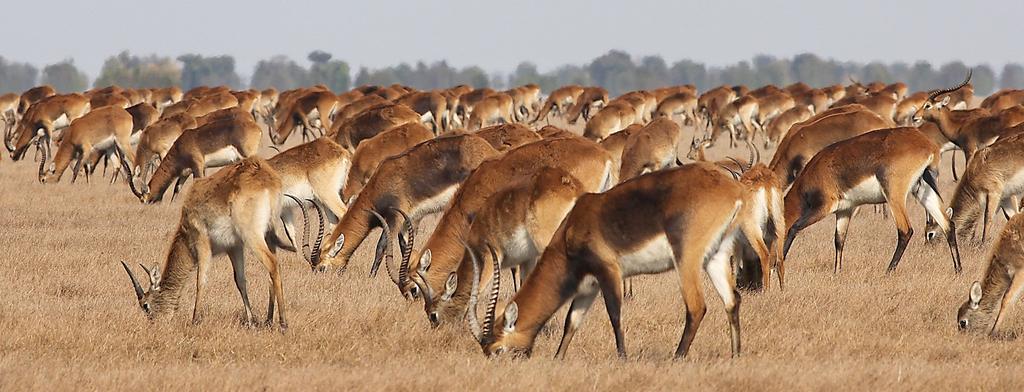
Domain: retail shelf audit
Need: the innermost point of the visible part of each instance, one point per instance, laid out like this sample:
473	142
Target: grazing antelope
311	111
804	140
615	143
33	95
432	107
771	106
994	180
883	166
742	111
156	140
8	114
1003	99
314	171
358	106
592	98
552	132
980	132
89	138
442	253
211	103
216	144
508	136
559	102
650	148
467	103
514	226
371	152
683	104
779	127
524	99
421	181
44	117
816	98
370	123
97	101
613	117
164	97
679	226
997	293
711	102
230	212
494	109
143	115
905	110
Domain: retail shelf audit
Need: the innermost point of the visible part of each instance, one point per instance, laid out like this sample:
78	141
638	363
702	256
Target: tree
811	69
690	72
279	72
127	70
614	71
1012	76
208	71
16	77
984	80
332	73
65	77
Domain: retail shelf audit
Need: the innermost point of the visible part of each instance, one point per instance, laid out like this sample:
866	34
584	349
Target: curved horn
487	332
936	93
305	228
474	323
314	255
735	175
42	162
273	147
128	171
754	154
383	246
406	245
135	282
854	81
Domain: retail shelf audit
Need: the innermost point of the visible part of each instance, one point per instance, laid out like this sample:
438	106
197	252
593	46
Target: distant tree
279	72
526	72
571	74
952	73
651	73
474	76
1012	76
984	80
811	69
208	71
65	77
16	77
127	70
690	72
332	73
922	77
875	72
740	73
615	71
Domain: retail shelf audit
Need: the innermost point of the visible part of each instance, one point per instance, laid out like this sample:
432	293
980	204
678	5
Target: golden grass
69	319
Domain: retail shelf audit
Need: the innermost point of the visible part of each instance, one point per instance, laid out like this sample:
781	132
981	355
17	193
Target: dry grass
68	318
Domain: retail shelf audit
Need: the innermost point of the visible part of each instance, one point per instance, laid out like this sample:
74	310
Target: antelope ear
945	100
425	261
449	287
511	314
154	278
338	244
975	295
351	201
949	212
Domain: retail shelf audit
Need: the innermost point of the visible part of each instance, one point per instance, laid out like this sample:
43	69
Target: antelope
552	132
143	115
314	171
421	181
989	300
371	152
358	106
908	106
650	148
712	102
979	132
835	92
994	180
432	107
514	226
211	103
370	123
88	138
494	109
9	113
779	127
467	103
878	167
441	254
230	212
613	117
524	99
33	95
508	136
44	118
216	144
559	102
163	97
156	140
592	98
1003	99
683	104
806	139
771	106
109	99
742	111
610	236
615	143
313	110
938	111
816	98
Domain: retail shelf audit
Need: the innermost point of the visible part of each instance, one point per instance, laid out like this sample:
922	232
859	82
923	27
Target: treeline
616	70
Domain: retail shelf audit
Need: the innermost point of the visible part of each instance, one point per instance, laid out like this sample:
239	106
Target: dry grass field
69	319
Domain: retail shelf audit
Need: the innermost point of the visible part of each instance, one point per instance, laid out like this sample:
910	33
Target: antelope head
145	297
697	146
933	104
972	316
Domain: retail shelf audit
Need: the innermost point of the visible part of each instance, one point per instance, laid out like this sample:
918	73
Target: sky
497	35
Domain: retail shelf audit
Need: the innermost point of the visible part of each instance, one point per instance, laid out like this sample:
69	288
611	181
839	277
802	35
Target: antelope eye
145	307
963	324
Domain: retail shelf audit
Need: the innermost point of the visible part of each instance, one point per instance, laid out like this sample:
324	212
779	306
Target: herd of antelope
571	212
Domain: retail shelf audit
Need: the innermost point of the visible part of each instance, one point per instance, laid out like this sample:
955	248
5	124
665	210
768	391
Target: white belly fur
434	204
224	156
653	257
868	191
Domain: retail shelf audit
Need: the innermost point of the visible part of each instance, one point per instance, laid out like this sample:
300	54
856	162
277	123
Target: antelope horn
273	147
410	233
305	228
474	323
936	93
854	81
128	171
135	282
487	332
42	162
735	175
383	246
314	256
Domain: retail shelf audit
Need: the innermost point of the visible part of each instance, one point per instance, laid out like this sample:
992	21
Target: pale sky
497	35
